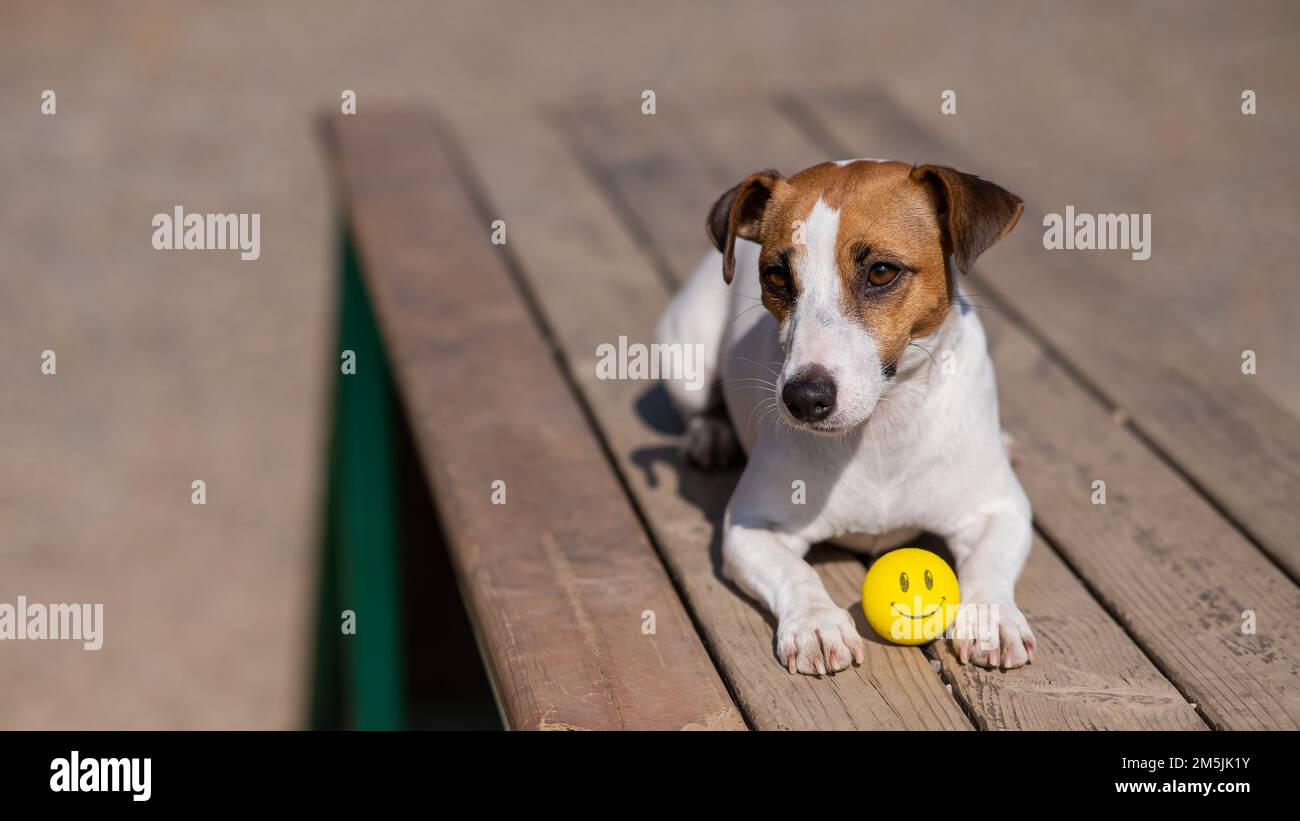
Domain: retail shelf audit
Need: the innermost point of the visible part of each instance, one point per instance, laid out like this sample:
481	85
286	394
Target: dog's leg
813	636
709	442
990	551
697	317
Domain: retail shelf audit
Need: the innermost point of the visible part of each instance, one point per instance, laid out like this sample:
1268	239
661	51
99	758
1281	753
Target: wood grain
1179	576
1088	675
1176	573
556	579
594	284
1088	652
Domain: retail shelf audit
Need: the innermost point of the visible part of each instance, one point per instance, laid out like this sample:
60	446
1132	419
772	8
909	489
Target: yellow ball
910	596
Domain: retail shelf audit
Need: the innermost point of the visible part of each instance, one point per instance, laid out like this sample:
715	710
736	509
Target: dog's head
854	266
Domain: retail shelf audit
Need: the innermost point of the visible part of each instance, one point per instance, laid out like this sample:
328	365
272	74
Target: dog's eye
882	273
776	277
902	581
929	581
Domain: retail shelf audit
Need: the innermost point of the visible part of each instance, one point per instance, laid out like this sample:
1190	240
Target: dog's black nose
811	395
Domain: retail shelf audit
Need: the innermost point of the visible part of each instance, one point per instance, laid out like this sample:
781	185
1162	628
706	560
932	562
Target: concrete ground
181	366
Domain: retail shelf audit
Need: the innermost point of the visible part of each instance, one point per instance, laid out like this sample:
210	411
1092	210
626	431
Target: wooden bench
557	578
490	352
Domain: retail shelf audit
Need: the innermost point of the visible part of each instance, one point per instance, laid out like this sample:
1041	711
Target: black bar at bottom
1000	771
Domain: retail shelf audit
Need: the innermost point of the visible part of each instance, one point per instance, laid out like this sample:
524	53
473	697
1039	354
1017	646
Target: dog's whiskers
758	379
760	364
745	311
964	303
927	351
761	403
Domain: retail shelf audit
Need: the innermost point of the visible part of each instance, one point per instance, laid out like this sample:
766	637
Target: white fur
929	455
820	333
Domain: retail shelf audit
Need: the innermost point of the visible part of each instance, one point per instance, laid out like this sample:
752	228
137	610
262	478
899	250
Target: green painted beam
360	543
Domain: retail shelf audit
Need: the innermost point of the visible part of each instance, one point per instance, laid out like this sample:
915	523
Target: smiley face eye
882	273
929	581
902	581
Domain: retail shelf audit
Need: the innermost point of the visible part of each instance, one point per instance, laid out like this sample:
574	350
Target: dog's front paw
709	442
992	634
817	640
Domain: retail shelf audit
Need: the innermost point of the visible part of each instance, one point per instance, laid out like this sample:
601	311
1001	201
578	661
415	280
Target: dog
840	354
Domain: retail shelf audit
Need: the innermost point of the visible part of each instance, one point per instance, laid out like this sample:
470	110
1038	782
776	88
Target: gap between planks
482	201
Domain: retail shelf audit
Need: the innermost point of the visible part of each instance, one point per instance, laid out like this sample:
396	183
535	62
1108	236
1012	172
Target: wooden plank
556	579
1090	653
1178	575
1088	675
594	285
1192	402
641	152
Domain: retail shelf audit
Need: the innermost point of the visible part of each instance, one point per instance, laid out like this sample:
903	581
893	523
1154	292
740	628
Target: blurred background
176	367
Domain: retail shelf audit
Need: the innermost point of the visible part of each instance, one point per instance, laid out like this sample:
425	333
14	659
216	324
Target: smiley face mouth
936	609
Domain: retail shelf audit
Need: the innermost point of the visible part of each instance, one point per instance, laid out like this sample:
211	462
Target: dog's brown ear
739	213
974	213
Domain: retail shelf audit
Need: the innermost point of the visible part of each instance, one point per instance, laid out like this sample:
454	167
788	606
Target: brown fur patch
912	217
885	215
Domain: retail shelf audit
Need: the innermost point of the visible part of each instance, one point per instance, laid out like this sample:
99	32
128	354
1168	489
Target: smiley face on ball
910	596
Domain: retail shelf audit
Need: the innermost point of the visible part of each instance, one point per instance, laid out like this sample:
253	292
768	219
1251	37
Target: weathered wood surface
1192	402
558	578
1177	574
1090	666
605	213
1088	675
1184	581
594	284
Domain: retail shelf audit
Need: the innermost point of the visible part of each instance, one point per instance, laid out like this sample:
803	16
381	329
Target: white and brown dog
867	379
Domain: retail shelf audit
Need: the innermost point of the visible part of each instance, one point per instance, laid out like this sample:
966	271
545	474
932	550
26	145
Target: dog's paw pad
709	443
992	634
818	640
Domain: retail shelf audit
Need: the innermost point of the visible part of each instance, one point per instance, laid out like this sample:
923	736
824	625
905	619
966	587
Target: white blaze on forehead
842	163
815	261
819	330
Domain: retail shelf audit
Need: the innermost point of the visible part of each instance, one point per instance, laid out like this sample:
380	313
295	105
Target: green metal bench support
358	679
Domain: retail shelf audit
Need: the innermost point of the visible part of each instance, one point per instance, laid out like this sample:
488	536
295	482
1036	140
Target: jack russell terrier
868	379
